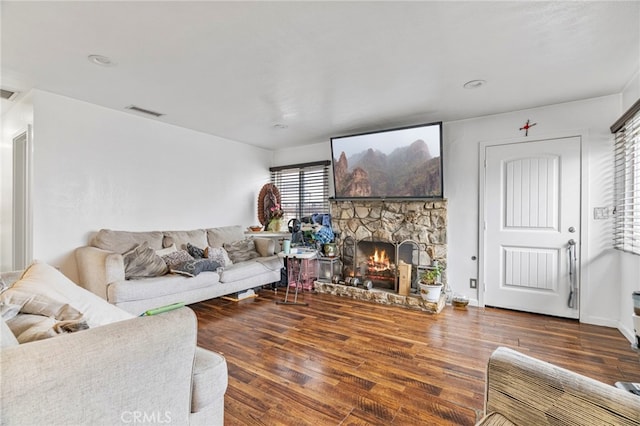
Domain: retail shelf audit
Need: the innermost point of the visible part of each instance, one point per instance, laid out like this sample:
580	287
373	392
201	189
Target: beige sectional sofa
121	370
101	267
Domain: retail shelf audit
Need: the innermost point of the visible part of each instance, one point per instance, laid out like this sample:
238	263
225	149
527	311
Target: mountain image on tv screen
410	169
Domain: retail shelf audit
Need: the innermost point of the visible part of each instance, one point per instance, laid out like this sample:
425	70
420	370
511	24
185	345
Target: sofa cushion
142	261
242	270
148	288
219	254
242	250
123	241
197	237
209	379
45	280
225	234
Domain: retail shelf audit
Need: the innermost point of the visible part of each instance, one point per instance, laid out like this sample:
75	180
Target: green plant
431	275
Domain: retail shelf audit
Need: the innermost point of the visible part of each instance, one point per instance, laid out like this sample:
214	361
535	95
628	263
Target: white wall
14	122
589	119
100	168
629	264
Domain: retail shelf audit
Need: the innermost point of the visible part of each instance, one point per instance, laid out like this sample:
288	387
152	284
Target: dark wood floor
346	362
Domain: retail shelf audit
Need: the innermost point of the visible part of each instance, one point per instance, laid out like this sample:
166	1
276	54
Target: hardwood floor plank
340	361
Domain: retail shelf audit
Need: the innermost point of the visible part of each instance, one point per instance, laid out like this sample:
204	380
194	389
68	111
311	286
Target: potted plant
430	287
276	219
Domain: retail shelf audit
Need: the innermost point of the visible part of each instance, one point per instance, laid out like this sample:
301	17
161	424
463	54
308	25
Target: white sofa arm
98	268
103	376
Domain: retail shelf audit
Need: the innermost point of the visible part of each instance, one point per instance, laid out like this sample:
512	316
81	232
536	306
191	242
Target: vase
430	292
276	225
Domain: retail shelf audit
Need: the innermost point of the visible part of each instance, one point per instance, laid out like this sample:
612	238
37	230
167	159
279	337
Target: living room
97	167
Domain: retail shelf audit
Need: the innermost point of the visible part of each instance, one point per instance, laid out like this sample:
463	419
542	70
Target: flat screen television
397	163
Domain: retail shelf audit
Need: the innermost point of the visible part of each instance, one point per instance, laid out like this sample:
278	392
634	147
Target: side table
298	261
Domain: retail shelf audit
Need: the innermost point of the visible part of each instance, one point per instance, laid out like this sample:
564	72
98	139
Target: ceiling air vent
8	94
144	111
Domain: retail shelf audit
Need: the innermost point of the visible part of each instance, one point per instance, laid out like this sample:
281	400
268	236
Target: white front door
532	212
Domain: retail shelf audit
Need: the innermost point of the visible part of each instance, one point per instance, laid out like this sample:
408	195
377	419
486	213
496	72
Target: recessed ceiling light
474	84
103	61
280	126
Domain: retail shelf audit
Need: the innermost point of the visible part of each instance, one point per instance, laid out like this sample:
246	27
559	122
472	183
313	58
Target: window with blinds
304	188
627	181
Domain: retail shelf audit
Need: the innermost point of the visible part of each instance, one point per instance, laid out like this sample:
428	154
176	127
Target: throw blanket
66	319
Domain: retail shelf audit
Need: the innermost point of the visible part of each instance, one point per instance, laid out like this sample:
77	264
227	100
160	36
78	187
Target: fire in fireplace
378	261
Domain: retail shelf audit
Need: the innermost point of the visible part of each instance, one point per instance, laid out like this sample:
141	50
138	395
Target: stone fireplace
374	236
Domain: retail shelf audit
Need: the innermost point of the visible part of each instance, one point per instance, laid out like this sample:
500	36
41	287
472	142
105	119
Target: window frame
293	202
626	230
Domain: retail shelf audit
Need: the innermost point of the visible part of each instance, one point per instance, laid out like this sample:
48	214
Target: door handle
573	288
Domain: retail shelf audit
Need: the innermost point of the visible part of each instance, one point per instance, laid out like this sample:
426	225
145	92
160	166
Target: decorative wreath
269	197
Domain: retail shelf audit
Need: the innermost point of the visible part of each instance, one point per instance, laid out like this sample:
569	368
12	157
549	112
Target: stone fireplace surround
395	221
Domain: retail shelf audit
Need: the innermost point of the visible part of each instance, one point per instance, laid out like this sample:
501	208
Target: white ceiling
234	69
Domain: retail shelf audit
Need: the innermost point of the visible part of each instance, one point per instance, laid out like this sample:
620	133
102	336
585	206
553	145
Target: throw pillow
63	318
162	252
196	252
241	251
44	280
191	268
176	258
265	246
142	261
218	254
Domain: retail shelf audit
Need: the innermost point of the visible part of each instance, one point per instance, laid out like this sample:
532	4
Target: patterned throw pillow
167	250
176	258
191	268
196	252
218	254
241	251
142	261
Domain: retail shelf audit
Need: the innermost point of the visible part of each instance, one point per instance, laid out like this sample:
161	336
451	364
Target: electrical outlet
473	283
600	213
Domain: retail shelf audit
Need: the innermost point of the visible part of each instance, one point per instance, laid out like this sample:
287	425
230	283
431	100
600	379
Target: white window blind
626	235
304	188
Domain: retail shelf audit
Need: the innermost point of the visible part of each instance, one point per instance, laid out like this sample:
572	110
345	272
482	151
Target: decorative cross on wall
526	127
